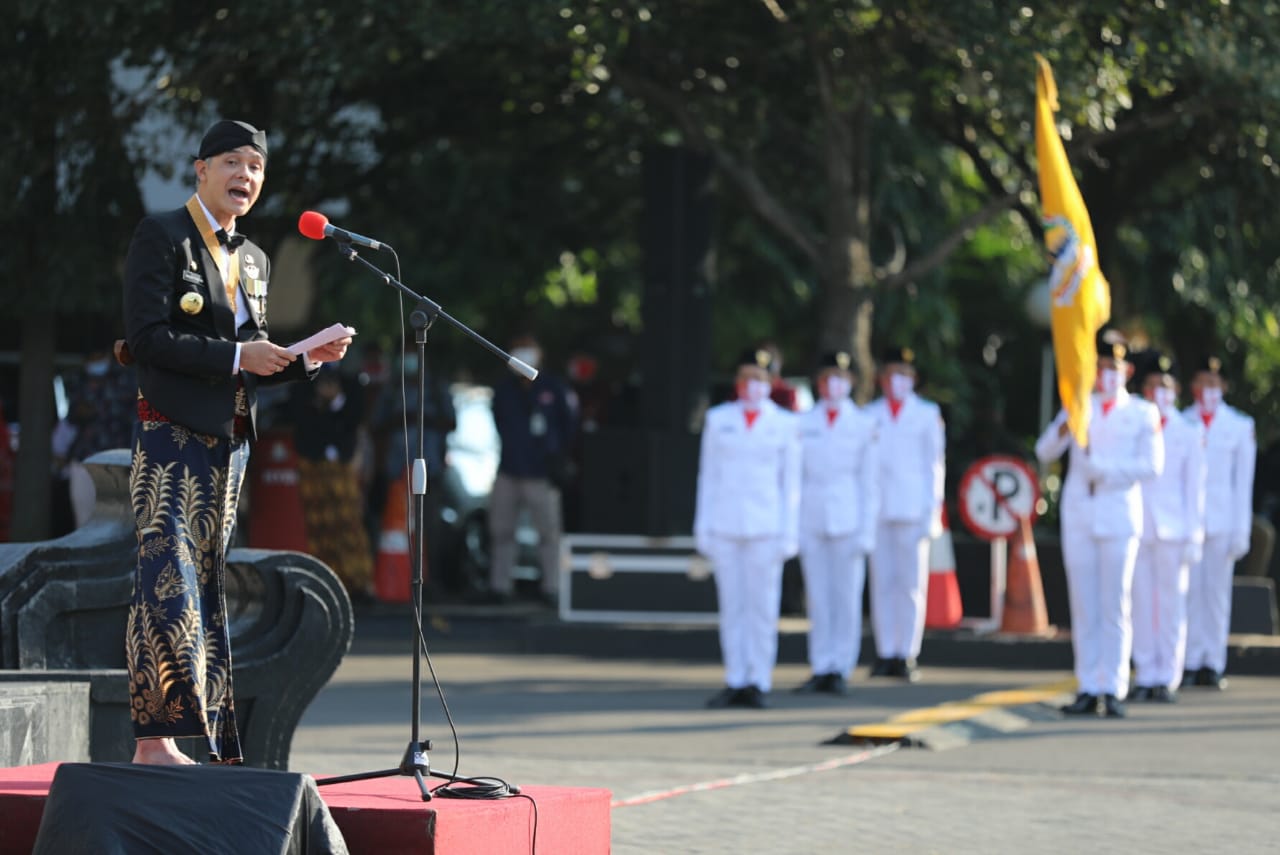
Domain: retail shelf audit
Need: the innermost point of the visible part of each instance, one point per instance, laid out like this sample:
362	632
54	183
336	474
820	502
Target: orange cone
277	520
1024	608
392	572
943	609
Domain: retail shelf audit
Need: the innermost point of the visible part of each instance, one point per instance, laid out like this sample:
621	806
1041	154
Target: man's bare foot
160	752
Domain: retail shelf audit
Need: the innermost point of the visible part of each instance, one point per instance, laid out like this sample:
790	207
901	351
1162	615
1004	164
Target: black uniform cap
897	355
227	135
1210	365
835	359
1150	362
756	357
1112	344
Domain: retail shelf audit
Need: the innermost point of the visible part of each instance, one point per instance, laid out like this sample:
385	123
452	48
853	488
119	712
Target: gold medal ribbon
209	234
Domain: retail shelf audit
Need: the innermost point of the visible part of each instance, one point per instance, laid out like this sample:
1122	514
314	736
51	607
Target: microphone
316	226
524	369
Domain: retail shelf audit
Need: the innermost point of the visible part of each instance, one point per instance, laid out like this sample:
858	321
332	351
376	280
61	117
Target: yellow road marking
904	724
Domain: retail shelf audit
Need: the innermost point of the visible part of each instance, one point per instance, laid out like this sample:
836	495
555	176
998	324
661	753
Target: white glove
790	548
702	543
924	531
867	545
1092	474
1239	546
1192	553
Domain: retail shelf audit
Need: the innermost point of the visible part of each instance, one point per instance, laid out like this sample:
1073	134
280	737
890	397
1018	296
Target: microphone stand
416	762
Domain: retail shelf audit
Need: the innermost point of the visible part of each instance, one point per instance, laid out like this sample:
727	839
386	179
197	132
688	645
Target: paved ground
1199	776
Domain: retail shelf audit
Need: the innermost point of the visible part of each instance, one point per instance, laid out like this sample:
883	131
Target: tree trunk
33	470
847	274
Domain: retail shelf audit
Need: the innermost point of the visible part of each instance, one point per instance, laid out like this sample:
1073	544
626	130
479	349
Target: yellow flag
1080	297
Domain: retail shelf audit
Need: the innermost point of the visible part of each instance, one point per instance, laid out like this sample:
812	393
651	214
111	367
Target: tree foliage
875	169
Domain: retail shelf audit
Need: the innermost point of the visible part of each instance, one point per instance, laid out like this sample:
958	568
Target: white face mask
1165	399
1210	398
900	386
1109	383
754	391
837	389
528	355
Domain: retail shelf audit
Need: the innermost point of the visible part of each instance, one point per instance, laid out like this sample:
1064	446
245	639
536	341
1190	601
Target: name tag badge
192	278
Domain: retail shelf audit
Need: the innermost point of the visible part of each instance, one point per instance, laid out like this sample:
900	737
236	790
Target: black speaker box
128	809
639	481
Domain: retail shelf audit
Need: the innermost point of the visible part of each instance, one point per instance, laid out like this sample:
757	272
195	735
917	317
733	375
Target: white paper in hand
326	335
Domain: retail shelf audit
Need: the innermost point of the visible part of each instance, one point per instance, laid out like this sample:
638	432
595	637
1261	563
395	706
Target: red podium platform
387	816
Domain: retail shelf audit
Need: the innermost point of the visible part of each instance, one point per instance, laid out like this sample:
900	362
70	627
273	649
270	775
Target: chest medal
191	303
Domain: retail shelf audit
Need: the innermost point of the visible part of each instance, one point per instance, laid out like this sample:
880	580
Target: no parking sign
996	494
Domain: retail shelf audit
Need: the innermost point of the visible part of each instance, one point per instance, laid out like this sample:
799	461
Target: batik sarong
333	509
185	487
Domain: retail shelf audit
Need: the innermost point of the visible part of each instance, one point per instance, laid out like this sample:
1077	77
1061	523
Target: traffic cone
1024	608
392	571
277	520
943	608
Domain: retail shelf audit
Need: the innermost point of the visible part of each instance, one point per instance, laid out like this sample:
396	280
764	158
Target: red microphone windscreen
312	224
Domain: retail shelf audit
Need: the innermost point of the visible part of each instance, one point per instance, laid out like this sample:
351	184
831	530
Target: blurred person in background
536	421
101	409
1101	515
913	474
746	522
839	506
1172	539
327	416
1230	456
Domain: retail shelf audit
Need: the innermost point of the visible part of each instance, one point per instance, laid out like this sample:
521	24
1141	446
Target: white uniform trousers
834	575
1099	585
1209	605
1159	611
899	587
748	574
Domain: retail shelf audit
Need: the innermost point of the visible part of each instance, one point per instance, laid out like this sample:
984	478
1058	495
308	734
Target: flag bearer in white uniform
839	503
1230	455
745	522
1101	514
912	478
1172	537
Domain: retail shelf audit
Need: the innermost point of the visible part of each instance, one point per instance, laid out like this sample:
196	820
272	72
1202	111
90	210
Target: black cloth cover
119	808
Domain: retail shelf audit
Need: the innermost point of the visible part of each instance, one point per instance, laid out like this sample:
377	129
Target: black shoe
908	671
726	697
1142	693
835	685
1210	679
816	683
1164	695
753	697
882	667
1113	707
1084	704
1188	678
